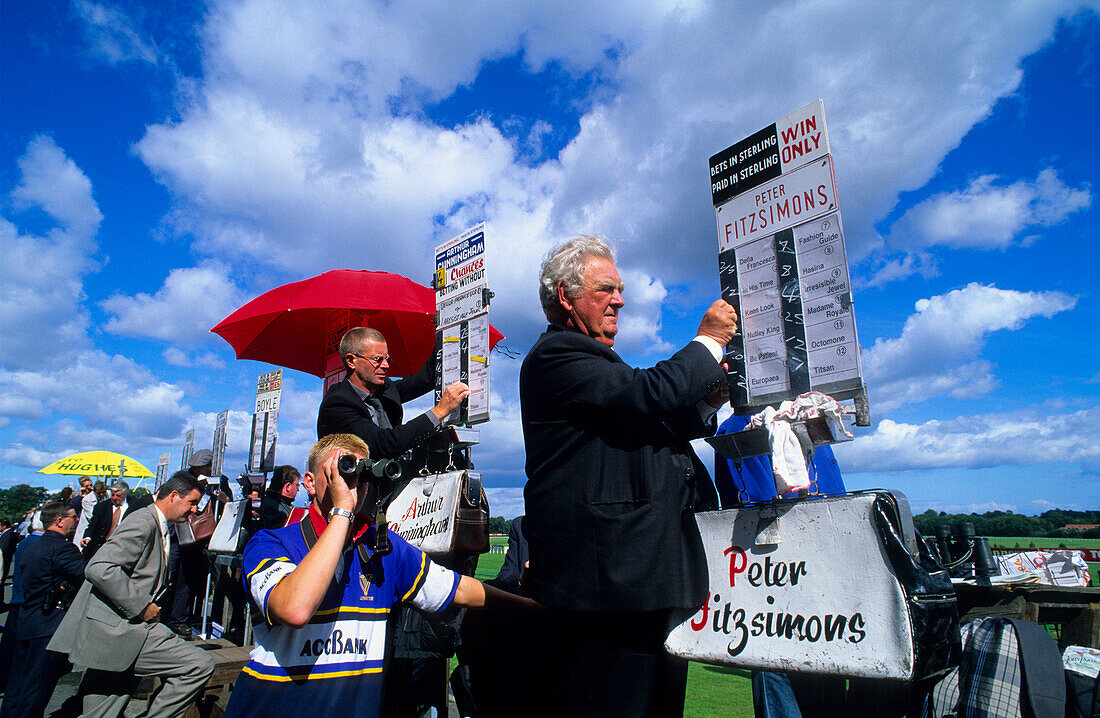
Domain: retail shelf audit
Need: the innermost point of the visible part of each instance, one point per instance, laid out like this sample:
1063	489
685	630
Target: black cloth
190	584
274	510
177	598
50	561
602	663
7	550
342	411
612	482
511	572
34	675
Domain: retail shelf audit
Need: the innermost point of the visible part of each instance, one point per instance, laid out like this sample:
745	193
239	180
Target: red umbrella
299	325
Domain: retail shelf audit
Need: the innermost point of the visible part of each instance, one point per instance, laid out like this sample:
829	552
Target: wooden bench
229	659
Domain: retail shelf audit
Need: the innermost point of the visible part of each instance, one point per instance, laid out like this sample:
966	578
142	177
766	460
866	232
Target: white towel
788	460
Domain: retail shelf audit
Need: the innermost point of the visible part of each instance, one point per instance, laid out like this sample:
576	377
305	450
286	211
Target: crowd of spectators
353	619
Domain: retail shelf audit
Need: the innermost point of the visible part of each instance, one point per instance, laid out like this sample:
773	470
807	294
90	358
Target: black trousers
7	644
605	664
189	586
34	674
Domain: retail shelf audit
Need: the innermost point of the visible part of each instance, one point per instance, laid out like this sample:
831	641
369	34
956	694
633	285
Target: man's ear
564	300
309	483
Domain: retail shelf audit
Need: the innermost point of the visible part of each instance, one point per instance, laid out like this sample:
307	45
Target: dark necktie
383	421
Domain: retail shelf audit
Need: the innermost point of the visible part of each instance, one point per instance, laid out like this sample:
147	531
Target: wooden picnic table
1076	611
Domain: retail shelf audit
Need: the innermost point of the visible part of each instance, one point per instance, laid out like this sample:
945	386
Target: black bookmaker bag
839	585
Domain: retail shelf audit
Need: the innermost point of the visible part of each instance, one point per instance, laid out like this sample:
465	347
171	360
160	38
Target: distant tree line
21	498
1049	524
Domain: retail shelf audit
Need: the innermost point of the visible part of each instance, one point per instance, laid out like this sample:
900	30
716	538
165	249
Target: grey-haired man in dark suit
612	487
367	403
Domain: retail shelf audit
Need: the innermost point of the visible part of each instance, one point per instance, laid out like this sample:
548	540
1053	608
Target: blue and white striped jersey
335	661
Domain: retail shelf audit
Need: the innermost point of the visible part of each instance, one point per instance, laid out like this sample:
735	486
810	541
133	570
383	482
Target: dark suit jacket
612	483
7	549
274	510
343	412
512	570
51	559
100	523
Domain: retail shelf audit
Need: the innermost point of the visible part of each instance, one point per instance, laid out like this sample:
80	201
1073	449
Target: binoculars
372	470
964	554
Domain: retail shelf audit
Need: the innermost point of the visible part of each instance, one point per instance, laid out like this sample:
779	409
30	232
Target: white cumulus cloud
307	144
41	277
191	301
988	215
1023	438
110	392
939	347
111	35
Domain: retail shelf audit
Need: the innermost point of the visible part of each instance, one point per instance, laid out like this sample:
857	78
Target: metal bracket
767	529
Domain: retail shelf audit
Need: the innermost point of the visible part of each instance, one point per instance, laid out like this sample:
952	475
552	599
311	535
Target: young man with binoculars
325	587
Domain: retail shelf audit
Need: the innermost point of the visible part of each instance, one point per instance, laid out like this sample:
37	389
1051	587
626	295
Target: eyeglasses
373	360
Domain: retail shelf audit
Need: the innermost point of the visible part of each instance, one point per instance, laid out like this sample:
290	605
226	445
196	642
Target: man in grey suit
112	624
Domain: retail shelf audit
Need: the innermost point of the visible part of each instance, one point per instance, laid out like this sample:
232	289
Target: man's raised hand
719	323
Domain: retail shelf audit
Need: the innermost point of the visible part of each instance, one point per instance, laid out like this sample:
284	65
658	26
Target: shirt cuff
432	418
712	346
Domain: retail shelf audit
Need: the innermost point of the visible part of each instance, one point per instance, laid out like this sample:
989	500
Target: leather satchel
472	516
442	513
199	526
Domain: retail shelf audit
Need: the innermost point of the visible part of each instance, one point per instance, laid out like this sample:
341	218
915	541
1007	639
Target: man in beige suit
112	625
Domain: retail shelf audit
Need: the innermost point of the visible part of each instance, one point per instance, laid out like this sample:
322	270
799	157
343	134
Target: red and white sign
802	136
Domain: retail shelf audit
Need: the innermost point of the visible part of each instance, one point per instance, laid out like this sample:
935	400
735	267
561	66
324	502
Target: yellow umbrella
96	463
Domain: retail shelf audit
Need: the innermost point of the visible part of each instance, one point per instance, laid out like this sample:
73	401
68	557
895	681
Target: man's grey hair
565	264
121	486
353	339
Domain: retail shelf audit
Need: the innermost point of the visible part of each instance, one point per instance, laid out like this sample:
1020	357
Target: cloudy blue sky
163	162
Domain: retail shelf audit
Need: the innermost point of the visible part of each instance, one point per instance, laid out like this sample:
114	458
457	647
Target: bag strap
369	563
1043	678
308	532
471	489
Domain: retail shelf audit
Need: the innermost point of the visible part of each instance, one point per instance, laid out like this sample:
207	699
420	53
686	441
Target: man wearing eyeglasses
367	403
